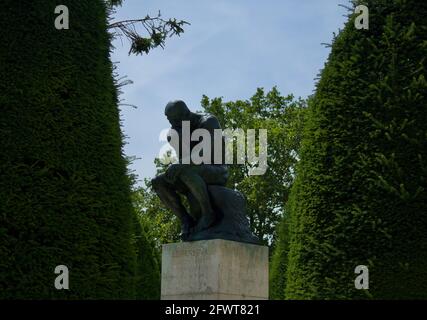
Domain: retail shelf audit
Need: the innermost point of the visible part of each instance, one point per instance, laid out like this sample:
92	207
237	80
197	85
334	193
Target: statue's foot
206	221
186	227
185	236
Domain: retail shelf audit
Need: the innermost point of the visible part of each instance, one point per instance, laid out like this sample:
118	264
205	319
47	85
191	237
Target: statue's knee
157	182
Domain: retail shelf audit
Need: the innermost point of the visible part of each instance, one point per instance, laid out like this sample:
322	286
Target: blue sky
231	48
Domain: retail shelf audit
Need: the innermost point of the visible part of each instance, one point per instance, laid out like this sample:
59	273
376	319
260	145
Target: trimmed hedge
147	279
360	197
64	189
279	262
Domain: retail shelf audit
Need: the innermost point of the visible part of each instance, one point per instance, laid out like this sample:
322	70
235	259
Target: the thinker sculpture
215	212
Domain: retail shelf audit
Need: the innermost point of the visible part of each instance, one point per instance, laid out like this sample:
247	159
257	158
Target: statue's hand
173	171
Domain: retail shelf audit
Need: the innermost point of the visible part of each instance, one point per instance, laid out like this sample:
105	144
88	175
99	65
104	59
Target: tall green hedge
147	279
64	190
279	262
360	197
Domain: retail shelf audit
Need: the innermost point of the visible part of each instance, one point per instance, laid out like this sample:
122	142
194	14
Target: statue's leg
198	188
195	211
171	200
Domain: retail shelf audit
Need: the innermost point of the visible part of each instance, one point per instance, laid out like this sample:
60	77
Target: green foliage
279	261
114	2
147	280
157	28
360	195
64	191
160	224
282	117
147	276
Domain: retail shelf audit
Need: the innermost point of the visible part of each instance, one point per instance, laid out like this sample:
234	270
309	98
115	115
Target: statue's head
176	112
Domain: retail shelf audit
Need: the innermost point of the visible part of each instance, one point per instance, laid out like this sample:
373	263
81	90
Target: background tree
159	223
360	195
267	194
282	117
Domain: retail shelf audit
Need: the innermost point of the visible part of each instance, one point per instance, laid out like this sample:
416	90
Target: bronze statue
215	211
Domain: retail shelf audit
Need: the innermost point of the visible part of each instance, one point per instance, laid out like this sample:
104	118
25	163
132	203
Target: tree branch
158	30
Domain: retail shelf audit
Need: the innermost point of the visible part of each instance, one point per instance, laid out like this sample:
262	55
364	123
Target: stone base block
214	270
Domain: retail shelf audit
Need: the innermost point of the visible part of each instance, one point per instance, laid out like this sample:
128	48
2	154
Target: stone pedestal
215	270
